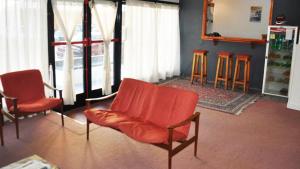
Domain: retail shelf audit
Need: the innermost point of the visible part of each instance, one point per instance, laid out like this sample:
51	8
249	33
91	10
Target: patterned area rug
219	99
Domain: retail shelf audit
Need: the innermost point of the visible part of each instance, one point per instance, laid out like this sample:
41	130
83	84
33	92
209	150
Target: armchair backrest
25	85
159	105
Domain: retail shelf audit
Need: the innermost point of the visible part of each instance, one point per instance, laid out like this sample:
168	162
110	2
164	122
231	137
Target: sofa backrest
24	85
160	105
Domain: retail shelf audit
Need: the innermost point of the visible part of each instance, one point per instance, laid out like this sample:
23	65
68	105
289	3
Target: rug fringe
244	107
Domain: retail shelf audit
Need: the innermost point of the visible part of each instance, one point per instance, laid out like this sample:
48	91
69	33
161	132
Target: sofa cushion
38	105
133	98
148	132
160	105
170	106
106	117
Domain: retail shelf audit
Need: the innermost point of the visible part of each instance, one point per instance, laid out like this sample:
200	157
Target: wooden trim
185	122
183	145
204	18
271	12
231	39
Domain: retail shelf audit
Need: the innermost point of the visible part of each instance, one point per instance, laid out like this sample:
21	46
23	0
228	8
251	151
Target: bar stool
227	77
242	58
199	68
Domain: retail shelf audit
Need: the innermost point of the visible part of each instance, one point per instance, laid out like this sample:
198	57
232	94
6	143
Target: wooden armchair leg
1	128
196	135
45	113
17	126
87	129
62	115
1	135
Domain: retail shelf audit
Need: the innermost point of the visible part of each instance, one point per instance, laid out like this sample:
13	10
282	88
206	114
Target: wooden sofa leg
170	148
62	115
170	161
87	129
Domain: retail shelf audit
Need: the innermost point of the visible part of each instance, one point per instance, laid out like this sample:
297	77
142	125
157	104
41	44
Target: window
74	17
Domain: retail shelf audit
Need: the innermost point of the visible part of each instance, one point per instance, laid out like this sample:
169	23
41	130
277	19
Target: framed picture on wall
255	13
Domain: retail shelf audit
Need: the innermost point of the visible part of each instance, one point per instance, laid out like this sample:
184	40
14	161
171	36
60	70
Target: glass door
278	61
88	54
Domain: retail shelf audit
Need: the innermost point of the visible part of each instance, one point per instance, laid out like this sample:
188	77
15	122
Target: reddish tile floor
265	136
78	115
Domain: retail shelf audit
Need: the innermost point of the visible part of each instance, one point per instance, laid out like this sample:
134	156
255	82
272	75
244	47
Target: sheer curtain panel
168	40
23	36
67	14
152	46
104	13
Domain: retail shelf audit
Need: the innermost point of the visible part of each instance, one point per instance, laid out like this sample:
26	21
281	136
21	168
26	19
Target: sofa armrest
51	87
54	89
13	99
89	100
101	98
185	122
7	97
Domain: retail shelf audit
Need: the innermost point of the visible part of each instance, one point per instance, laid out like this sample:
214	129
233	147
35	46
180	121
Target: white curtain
104	13
168	40
23	36
67	15
152	46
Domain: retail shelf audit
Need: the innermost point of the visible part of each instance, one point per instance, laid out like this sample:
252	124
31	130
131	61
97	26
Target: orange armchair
24	94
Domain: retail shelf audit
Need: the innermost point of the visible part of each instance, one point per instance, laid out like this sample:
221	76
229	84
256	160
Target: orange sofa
150	113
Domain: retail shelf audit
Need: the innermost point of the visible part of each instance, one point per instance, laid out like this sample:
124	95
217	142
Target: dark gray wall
190	25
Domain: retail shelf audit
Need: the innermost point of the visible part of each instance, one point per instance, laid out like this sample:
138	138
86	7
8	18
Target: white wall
232	18
294	94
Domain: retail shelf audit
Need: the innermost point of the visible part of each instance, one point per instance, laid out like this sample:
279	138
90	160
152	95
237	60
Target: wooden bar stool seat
199	68
227	76
245	81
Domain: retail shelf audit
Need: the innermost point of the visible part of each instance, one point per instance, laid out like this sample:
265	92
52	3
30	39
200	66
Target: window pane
78	59
78	66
